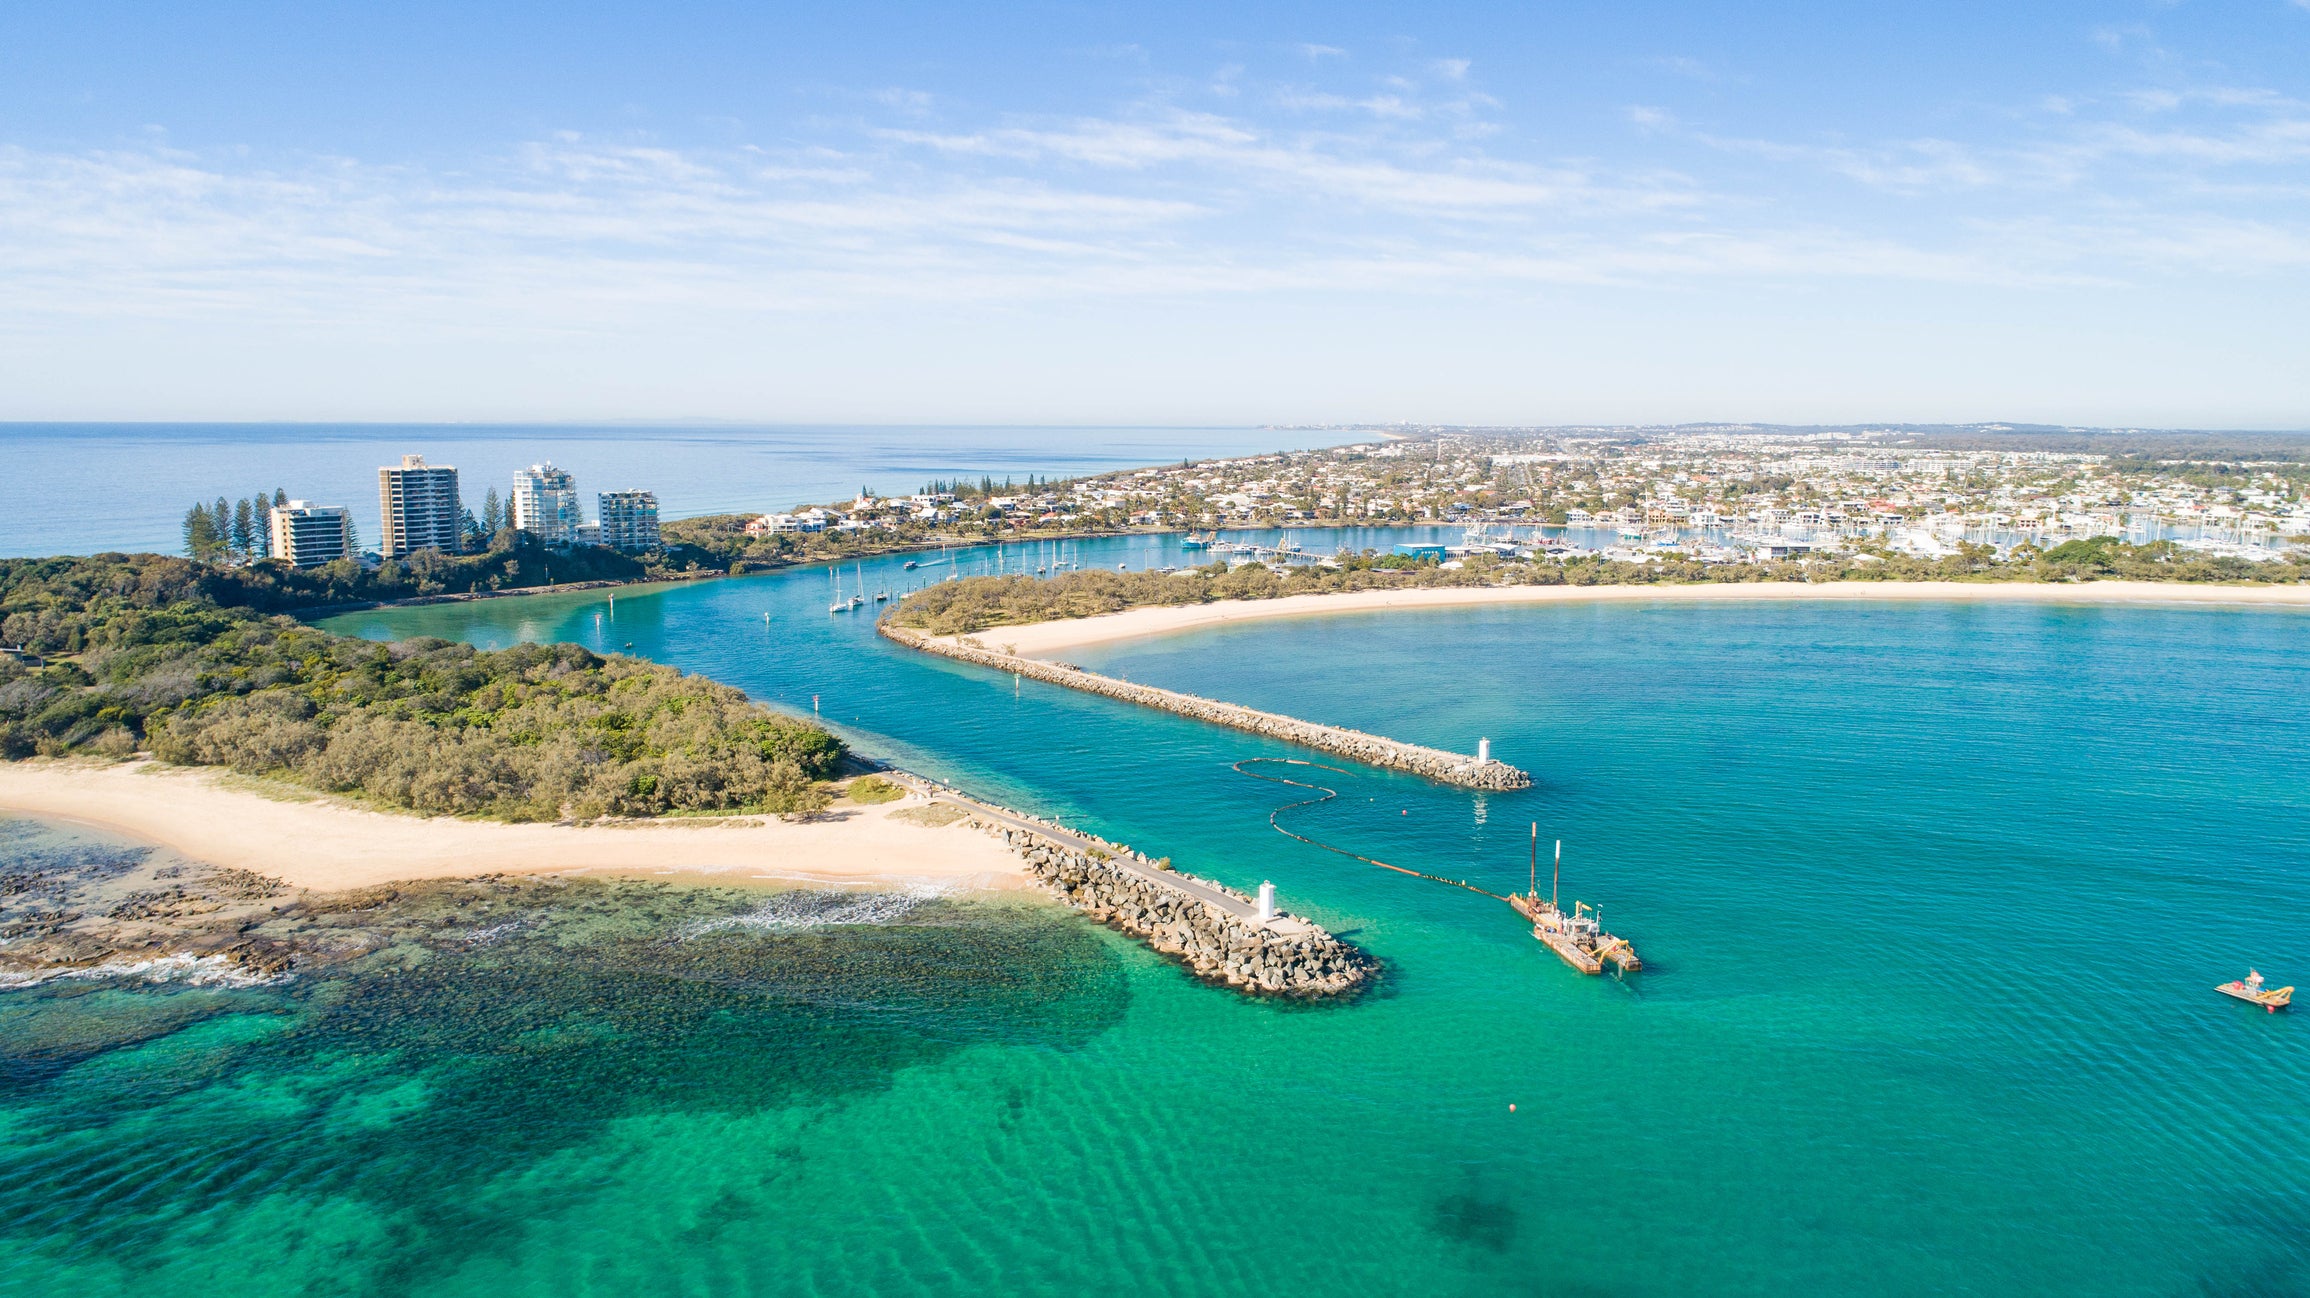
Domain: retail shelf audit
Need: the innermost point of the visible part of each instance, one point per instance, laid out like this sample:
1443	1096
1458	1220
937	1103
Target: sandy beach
311	841
1050	637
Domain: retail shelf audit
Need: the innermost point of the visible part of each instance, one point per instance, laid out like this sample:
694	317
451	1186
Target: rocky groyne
1282	956
1373	750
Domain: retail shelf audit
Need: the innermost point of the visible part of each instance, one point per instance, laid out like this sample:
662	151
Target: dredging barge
1578	938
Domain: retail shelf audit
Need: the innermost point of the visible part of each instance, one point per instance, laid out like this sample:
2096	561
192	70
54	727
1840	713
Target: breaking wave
190	970
817	908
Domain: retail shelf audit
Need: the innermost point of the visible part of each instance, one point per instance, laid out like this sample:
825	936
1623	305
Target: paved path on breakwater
1225	902
1375	750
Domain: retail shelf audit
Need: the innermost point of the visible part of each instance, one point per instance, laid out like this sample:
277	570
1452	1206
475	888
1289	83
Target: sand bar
1050	637
323	844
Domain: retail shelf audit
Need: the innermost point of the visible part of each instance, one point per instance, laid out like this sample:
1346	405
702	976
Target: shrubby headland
117	653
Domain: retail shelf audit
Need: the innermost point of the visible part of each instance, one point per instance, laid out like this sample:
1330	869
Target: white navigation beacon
1266	902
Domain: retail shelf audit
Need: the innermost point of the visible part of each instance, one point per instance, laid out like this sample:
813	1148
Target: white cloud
1390	192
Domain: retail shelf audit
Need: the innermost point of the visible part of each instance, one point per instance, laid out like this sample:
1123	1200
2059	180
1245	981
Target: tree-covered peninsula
113	654
977	603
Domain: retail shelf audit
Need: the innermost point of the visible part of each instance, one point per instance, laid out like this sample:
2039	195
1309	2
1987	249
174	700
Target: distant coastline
1037	638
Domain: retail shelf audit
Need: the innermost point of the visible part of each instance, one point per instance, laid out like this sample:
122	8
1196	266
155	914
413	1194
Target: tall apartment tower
420	509
629	519
310	535
545	504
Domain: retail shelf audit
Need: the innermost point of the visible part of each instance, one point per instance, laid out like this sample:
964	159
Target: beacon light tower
1266	901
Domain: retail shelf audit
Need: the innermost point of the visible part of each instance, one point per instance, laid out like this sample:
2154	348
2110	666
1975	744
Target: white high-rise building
418	502
629	519
310	535
545	504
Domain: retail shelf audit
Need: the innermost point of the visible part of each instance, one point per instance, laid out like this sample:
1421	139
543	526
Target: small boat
2250	989
909	564
857	600
1578	939
1196	541
881	595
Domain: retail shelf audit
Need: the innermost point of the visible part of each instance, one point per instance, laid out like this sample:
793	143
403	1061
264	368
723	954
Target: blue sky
2080	213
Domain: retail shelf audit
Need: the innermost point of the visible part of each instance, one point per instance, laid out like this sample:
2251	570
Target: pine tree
221	523
492	513
244	529
199	534
261	523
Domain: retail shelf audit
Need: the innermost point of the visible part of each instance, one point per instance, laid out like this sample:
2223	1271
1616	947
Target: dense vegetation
183	659
719	542
962	607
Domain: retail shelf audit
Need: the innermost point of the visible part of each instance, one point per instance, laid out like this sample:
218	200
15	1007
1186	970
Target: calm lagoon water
1934	898
146	474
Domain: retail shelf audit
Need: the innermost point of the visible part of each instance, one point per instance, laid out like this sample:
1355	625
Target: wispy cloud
1364	185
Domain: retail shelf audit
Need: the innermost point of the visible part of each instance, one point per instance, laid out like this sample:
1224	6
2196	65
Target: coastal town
1720	494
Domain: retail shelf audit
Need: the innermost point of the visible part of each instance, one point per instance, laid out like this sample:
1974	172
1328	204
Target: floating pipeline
1284	956
1375	750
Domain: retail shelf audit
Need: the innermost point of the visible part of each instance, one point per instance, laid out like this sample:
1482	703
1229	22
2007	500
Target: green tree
200	533
221	520
492	513
244	532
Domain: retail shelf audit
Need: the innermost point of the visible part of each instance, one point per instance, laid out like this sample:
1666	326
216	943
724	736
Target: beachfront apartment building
545	504
419	508
310	535
629	519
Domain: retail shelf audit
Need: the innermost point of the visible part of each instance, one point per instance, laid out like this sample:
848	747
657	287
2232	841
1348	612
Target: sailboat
856	600
834	580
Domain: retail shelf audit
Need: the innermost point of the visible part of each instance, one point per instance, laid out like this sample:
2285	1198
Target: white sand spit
323	844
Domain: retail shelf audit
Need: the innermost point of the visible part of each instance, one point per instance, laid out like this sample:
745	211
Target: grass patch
935	815
871	789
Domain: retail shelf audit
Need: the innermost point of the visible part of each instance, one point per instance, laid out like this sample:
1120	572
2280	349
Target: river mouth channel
1903	1027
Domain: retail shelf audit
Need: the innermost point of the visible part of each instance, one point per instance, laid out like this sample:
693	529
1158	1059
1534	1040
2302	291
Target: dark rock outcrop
1283	957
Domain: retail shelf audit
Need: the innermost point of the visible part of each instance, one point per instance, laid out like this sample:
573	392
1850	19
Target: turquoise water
1933	899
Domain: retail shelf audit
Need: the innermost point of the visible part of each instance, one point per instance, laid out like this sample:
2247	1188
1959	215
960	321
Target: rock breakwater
1373	750
1283	956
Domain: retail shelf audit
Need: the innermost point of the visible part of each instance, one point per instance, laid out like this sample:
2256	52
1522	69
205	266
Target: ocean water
1932	899
84	488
